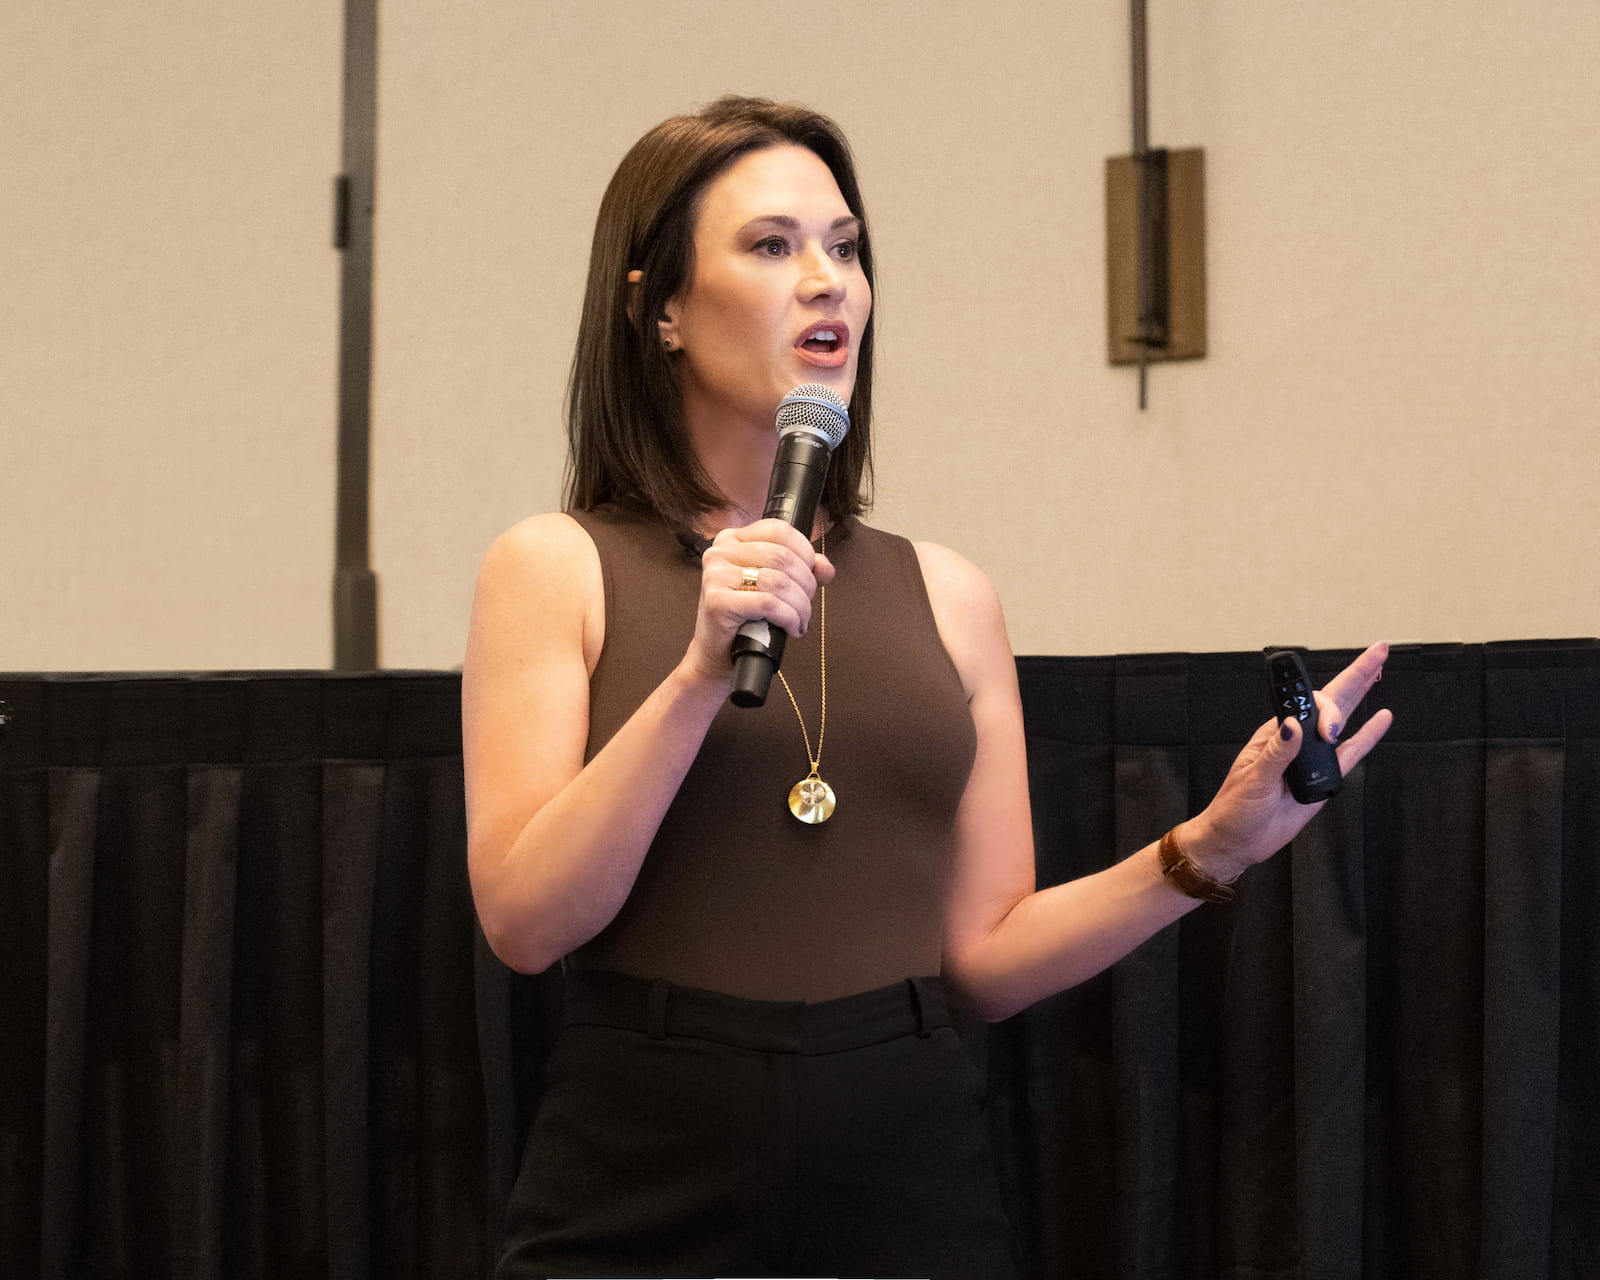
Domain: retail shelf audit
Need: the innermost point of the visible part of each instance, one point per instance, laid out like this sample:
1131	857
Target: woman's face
777	296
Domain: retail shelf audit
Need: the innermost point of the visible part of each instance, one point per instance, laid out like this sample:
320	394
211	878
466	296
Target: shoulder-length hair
627	441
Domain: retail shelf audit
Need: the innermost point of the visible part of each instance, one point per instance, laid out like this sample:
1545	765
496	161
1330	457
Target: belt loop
656	1018
920	1007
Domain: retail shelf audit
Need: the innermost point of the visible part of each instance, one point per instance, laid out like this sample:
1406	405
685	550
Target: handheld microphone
812	420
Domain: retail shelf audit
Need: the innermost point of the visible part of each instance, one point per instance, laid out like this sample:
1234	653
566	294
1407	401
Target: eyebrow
793	224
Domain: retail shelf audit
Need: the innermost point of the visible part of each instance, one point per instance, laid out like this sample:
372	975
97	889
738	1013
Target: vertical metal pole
1141	147
1141	88
355	586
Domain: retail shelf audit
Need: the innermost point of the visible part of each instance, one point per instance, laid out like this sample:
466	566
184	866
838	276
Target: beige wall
168	329
1400	401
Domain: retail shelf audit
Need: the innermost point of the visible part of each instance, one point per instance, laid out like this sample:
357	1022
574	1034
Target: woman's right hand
788	572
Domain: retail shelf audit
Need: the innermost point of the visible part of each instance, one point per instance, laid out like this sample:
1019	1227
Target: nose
821	276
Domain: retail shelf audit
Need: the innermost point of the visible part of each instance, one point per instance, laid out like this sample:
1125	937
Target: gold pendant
811	799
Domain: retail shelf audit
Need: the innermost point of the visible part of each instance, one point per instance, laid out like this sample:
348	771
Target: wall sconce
1155	241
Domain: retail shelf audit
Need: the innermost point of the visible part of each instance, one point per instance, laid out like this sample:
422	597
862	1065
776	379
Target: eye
847	250
772	246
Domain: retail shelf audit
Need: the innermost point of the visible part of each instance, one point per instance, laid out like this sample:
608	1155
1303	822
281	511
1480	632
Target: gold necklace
811	799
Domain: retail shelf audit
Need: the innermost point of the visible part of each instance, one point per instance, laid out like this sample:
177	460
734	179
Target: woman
758	1074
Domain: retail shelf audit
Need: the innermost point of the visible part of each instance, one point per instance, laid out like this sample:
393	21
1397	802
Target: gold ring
747	579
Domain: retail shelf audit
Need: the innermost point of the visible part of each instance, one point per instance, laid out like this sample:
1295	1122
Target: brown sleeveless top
735	894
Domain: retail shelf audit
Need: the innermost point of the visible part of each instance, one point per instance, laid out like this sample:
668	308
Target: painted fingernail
1284	731
1333	731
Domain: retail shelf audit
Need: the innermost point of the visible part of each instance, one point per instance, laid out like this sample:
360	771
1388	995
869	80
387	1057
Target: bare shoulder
540	544
952	574
967	609
541	575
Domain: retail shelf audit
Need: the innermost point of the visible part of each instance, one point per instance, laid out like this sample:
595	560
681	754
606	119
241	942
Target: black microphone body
798	474
812	419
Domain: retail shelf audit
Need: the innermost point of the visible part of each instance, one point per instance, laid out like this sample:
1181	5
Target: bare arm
1008	945
554	845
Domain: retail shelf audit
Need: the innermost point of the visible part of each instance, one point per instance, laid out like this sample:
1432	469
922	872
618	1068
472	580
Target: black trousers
686	1133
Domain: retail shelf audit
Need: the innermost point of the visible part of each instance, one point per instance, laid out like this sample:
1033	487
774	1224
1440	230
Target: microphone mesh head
816	410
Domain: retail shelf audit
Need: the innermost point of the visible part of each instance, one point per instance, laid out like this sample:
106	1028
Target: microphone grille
814	408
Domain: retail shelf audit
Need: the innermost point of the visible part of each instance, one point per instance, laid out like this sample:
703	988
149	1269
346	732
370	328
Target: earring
667	343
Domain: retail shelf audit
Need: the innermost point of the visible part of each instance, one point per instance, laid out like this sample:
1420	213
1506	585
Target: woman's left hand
1253	815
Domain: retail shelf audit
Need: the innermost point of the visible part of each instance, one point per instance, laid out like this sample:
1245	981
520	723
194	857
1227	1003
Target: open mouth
825	345
822	340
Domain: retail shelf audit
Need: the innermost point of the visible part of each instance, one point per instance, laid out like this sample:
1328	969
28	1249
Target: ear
667	327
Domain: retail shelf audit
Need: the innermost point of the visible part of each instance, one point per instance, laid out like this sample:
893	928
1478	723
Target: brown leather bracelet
1184	875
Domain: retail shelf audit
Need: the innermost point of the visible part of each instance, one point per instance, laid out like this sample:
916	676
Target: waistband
660	1009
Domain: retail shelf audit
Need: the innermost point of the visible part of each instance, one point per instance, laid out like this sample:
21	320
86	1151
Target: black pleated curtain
249	1028
239	1008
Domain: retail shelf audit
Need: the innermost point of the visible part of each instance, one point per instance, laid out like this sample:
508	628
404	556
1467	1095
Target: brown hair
626	436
